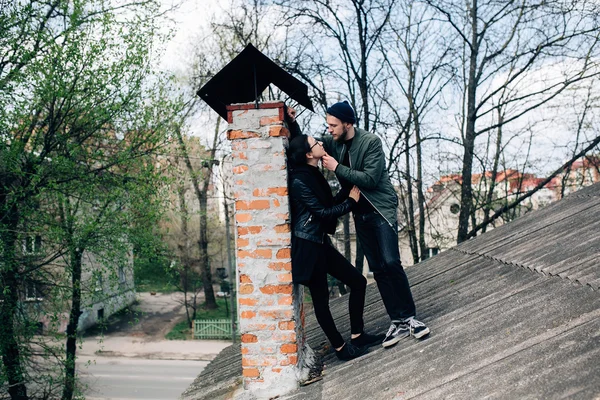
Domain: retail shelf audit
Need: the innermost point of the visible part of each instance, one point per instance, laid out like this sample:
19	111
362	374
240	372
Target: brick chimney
274	354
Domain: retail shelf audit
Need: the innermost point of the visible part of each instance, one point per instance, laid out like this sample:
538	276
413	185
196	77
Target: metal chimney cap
247	76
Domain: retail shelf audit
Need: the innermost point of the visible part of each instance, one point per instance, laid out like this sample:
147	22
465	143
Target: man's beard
342	137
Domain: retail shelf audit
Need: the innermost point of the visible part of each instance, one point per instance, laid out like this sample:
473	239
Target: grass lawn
146	286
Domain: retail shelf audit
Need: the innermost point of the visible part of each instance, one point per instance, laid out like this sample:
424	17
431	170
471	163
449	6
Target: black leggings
334	264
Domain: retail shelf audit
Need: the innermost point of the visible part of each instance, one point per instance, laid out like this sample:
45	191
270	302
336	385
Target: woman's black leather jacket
314	209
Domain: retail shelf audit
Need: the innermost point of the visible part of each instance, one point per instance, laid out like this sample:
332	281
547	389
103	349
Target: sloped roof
514	313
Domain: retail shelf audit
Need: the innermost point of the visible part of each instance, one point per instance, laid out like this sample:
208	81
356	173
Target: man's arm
374	166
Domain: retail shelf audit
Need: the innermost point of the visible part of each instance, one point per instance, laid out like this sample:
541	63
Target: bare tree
504	47
199	174
416	59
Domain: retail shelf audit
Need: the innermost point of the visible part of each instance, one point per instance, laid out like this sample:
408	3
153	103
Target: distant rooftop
514	314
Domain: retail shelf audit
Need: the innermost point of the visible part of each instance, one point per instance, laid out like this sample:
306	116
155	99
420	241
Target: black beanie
343	111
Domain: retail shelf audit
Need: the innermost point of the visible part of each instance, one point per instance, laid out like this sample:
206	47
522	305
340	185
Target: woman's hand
291	113
354	193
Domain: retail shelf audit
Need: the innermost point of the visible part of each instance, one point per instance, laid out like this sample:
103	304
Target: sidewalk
128	346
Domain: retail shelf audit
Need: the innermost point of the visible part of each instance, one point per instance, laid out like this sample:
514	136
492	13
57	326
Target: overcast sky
188	19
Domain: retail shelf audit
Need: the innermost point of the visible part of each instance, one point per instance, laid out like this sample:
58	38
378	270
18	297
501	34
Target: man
356	156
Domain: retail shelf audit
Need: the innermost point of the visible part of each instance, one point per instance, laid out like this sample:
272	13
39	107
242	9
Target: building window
32	244
430	252
32	291
99	283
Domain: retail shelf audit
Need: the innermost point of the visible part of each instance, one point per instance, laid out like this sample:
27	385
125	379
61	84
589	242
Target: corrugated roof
514	313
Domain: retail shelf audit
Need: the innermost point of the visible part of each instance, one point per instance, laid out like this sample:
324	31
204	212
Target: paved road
135	378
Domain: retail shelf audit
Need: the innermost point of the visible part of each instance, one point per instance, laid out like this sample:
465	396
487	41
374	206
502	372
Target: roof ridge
535	270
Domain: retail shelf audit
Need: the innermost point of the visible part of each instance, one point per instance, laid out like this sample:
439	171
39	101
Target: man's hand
329	162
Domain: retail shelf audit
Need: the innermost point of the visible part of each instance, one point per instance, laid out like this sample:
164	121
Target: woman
314	215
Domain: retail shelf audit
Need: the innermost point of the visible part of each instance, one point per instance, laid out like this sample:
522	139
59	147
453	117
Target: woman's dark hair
297	150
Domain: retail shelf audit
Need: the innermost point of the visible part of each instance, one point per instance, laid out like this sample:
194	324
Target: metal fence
212	329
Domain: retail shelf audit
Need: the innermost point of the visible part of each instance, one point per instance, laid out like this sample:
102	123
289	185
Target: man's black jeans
379	241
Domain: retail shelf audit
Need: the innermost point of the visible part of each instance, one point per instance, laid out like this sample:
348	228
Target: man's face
337	128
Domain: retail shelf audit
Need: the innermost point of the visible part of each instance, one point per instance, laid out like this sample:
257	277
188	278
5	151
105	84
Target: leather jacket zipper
307	221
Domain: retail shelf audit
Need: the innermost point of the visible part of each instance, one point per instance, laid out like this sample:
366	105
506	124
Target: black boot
367	340
350	352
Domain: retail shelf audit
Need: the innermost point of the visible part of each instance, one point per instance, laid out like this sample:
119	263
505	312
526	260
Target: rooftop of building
514	313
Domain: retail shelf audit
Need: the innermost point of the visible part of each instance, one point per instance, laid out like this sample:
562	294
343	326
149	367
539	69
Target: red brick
247	314
280	242
264	121
258	253
284	253
245	230
287	325
249	338
280	191
245	279
246	288
267	350
288	348
239	145
252	106
252	205
277	289
243	242
261	327
284	278
259	361
251	373
246	301
240	169
281	266
239	134
267	301
285	300
243	217
292	360
284	337
278	130
277	315
276	203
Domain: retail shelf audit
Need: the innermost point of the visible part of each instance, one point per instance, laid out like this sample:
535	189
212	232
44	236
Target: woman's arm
307	197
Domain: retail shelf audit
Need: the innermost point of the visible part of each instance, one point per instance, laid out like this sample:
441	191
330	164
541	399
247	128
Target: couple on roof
357	159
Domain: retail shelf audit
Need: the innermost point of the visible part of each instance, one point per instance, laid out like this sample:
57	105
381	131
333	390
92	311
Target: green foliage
222	310
81	117
152	274
181	331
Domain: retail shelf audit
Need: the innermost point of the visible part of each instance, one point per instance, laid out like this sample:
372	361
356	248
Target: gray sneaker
417	328
397	331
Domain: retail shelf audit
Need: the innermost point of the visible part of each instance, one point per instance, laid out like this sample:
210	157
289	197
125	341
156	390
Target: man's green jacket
367	171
